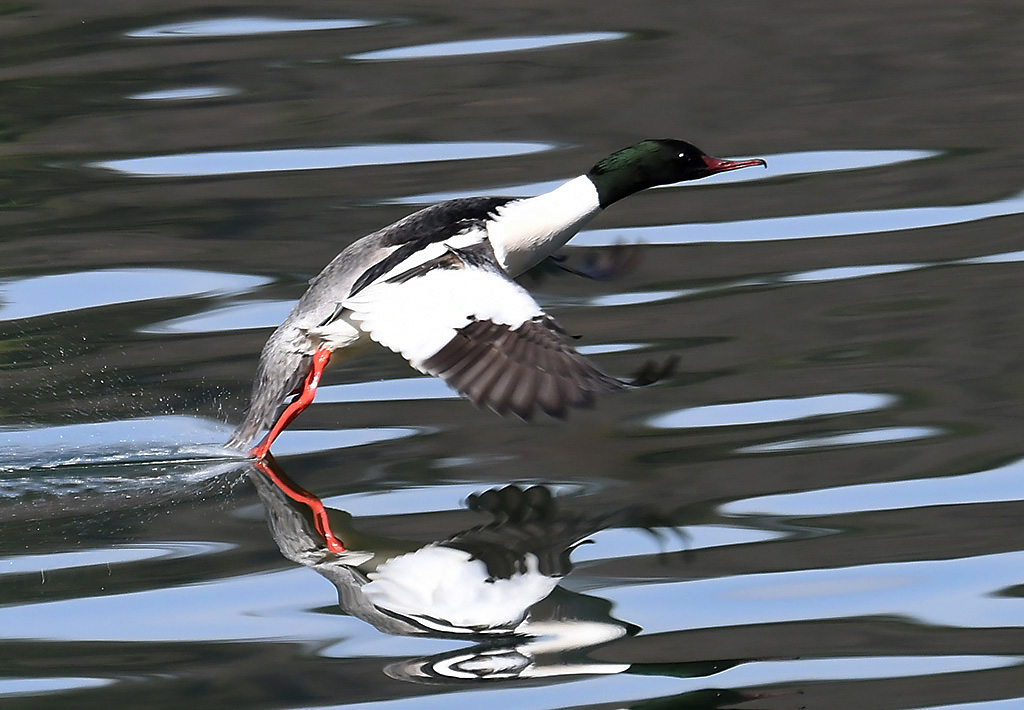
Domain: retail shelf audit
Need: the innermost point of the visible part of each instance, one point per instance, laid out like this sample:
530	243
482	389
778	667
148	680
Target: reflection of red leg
320	359
299	494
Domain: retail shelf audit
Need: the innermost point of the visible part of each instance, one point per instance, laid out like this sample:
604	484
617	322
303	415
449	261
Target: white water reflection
241	26
619	543
636	298
629	689
235	162
238	316
767	411
294	442
24	564
1005	483
1009	257
397	390
250	607
1004	704
605	348
186	93
883	435
839	273
495	45
13	687
954	593
836	224
779	165
59	293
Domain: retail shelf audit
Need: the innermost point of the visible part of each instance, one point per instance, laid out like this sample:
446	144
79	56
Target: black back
428	226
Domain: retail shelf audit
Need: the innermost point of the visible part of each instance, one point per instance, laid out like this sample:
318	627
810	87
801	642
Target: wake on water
117	456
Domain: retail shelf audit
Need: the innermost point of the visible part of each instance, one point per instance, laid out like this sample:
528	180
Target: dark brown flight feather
519	370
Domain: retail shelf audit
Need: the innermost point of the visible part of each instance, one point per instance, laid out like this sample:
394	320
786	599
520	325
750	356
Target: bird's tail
280	373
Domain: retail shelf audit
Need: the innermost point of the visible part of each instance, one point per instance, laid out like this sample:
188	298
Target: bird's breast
525	232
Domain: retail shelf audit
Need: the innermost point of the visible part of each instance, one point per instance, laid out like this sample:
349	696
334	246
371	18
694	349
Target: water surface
819	508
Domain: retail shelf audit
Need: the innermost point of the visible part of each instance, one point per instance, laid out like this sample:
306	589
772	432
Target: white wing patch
419	316
460	317
440	584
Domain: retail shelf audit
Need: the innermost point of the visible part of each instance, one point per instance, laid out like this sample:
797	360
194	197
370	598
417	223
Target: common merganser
437	288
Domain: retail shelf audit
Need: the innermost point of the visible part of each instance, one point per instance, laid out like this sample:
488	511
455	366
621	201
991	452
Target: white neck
525	232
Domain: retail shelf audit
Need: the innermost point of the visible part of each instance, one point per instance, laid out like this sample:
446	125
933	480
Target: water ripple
812	226
396	390
495	45
640	690
186	93
235	162
13	687
1005	483
294	442
148	439
955	593
779	165
620	543
242	26
237	316
767	411
882	435
1004	704
825	275
171	438
59	293
25	564
840	273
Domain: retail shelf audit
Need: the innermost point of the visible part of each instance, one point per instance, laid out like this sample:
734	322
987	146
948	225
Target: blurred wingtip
654	371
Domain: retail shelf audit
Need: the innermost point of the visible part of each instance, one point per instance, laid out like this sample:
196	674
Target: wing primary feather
520	369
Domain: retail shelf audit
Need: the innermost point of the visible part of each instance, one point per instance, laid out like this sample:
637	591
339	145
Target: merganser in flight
437	288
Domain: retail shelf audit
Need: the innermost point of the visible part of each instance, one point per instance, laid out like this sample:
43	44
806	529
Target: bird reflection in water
496	583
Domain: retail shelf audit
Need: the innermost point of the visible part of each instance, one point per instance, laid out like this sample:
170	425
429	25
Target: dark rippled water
832	479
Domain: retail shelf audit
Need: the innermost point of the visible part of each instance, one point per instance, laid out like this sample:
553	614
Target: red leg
301	495
320	359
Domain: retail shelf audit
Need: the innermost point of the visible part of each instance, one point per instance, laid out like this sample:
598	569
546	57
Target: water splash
149	440
156	440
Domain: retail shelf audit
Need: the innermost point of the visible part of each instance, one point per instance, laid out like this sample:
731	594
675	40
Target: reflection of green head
655	162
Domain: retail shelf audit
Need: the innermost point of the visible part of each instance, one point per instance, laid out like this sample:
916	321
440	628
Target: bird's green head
656	162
